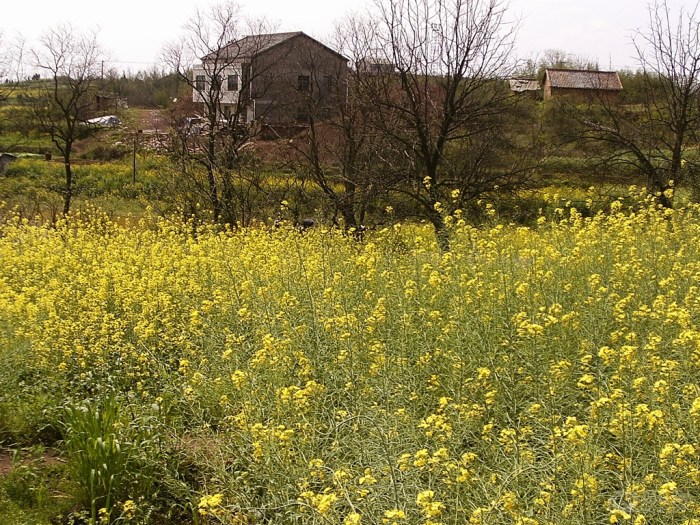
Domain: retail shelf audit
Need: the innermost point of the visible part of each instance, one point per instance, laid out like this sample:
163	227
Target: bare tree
213	58
560	59
534	67
11	57
70	62
439	96
655	136
336	151
11	74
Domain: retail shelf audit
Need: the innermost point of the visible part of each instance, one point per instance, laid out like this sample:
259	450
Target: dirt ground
151	120
8	461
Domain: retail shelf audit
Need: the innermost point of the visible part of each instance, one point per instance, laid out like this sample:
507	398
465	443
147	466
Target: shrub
111	458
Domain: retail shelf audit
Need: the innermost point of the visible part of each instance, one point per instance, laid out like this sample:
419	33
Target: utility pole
136	143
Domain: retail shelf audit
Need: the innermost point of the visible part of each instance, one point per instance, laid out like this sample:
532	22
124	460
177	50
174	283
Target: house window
303	83
302	114
328	82
199	83
232	83
216	83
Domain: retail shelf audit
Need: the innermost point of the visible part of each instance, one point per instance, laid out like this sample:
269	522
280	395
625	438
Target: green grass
32	143
35	186
34	492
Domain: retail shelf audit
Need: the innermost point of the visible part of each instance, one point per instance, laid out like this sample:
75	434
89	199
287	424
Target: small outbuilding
5	159
524	86
375	66
583	84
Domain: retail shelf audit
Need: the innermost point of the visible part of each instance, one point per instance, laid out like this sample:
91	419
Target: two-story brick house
275	78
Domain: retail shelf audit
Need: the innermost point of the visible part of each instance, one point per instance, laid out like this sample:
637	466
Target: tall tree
337	152
439	96
654	137
70	63
11	56
212	58
535	66
11	74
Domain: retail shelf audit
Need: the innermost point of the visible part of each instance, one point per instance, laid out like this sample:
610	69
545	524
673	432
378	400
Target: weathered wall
276	85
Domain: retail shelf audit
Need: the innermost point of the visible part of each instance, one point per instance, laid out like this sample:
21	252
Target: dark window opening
199	82
245	81
233	83
303	83
302	114
328	83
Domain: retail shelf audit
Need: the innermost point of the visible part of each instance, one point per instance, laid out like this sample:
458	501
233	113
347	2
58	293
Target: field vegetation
529	375
442	304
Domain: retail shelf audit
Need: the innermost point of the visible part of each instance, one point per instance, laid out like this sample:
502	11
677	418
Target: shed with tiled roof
581	83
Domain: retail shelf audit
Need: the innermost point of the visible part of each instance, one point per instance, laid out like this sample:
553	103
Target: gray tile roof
583	79
253	45
249	46
520	85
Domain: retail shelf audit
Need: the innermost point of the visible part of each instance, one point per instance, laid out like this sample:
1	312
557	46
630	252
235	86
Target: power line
130	62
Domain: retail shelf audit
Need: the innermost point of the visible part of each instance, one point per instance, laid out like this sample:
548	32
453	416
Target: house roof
374	65
584	79
253	45
520	85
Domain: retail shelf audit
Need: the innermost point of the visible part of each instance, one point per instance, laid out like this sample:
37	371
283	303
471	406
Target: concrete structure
5	160
109	102
375	66
525	86
581	84
277	78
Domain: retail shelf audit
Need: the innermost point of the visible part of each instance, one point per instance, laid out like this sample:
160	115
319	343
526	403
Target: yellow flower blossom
393	516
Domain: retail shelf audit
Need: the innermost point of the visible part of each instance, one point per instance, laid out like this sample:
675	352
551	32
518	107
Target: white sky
134	31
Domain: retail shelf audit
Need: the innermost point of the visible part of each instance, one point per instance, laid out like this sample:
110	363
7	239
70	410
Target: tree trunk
211	171
658	185
68	193
226	199
346	205
663	199
213	192
442	234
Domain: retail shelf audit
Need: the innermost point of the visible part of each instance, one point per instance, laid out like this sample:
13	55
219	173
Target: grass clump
110	460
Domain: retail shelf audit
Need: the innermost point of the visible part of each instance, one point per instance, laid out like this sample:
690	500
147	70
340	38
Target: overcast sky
134	31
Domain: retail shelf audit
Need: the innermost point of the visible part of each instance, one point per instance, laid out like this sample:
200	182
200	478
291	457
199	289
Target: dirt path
8	462
152	120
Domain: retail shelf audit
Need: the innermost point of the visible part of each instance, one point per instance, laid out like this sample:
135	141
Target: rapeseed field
545	375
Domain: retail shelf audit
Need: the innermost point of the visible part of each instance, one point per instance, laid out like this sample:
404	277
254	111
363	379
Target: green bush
112	459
